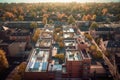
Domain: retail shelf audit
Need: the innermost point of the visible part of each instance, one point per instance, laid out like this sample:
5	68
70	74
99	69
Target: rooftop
68	35
46	35
70	42
48	30
104	29
113	44
38	61
20	32
73	55
43	42
67	29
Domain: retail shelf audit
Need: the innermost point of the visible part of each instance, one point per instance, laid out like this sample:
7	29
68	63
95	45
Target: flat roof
113	44
43	42
46	35
38	61
70	42
68	30
48	30
73	55
68	35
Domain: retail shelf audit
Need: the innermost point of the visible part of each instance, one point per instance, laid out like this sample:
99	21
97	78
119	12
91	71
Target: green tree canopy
33	25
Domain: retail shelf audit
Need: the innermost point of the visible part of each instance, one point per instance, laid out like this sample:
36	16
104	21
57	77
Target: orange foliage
104	11
9	14
3	60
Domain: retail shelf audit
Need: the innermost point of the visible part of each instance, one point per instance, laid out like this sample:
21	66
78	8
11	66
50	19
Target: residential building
38	65
20	35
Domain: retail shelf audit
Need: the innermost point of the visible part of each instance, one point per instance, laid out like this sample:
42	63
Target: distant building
20	35
13	48
104	30
16	47
77	64
113	46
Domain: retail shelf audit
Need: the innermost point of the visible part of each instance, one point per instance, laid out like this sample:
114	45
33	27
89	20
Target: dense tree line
80	11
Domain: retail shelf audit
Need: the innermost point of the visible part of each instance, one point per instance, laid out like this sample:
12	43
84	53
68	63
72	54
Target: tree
3	60
33	25
93	26
93	17
93	48
8	15
51	21
71	20
16	77
104	11
36	34
20	18
44	20
21	68
88	36
98	54
33	14
61	44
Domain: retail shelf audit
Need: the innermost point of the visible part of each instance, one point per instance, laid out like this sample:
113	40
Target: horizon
58	1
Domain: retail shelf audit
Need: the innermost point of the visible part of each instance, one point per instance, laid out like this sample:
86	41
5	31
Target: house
4	45
44	43
4	33
20	35
83	25
77	64
12	48
104	30
70	44
83	42
16	47
38	65
113	46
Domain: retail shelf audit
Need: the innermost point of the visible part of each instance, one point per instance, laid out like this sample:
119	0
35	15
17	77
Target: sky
36	1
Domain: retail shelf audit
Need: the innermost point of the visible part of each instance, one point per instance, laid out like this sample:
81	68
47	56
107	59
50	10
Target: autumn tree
21	68
36	34
88	36
33	25
71	20
61	44
93	26
84	18
98	54
93	17
3	60
51	21
20	18
44	20
104	11
93	48
8	15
